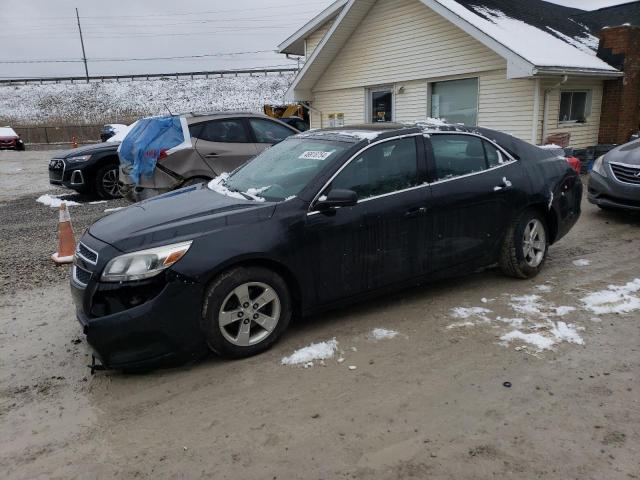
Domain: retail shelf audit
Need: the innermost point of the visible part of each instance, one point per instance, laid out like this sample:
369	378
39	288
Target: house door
380	104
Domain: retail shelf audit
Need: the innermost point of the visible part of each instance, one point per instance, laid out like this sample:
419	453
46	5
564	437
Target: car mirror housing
337	198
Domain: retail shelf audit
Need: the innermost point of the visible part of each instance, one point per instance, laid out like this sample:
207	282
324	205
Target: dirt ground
428	403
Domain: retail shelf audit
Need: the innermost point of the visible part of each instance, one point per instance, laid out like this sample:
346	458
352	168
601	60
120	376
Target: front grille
87	254
81	276
626	173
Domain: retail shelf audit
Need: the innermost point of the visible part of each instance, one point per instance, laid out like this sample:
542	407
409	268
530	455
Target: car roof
194	117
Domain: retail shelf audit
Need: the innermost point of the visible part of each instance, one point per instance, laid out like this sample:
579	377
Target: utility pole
84	55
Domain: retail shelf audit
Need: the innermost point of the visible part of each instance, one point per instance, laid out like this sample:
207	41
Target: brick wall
620	118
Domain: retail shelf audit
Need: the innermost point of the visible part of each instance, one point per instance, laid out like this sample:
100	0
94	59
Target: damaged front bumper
143	324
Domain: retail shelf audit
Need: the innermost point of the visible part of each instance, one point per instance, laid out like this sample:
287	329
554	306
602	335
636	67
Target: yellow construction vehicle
293	114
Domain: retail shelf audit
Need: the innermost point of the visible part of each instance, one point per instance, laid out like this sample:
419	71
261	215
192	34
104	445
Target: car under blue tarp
150	139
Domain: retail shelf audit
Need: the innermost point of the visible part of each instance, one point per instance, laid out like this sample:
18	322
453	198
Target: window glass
285	169
494	156
573	107
457	155
224	131
455	101
267	131
381	169
381	106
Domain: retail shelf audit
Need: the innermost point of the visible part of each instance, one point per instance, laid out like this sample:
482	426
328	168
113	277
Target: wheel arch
278	267
549	216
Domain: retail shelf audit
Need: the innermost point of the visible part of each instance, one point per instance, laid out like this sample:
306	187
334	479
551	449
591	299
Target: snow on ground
536	323
383	333
315	351
54	201
615	299
582	262
109	101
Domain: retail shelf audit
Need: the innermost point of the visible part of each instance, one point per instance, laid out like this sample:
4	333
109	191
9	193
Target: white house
525	67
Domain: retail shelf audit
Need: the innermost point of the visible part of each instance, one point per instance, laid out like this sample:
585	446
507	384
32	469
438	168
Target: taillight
575	164
163	154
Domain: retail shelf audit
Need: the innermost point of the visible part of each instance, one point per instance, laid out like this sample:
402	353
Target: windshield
283	170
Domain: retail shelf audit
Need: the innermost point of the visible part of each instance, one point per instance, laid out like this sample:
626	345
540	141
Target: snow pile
121	133
615	299
582	262
539	47
107	101
383	333
359	134
54	201
527	304
315	351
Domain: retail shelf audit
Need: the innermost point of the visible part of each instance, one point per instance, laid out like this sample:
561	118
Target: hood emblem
638	174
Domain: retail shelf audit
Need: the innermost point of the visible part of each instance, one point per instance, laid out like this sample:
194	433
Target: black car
614	182
322	219
90	170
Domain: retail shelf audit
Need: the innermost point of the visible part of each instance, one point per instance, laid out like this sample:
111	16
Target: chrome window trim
85	258
75	277
353	157
506	154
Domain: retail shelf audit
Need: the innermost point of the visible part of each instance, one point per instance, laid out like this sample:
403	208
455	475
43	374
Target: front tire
245	311
107	182
525	246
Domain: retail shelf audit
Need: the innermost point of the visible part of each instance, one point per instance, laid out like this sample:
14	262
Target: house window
574	107
455	101
381	105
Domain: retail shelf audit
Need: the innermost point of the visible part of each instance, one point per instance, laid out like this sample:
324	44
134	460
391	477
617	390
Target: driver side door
380	240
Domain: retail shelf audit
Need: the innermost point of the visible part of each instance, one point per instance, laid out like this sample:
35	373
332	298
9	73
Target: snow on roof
121	132
7	132
535	45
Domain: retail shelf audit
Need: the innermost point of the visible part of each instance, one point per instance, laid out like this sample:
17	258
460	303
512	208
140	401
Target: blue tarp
144	143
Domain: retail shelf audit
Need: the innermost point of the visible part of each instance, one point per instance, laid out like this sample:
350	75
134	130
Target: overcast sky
125	29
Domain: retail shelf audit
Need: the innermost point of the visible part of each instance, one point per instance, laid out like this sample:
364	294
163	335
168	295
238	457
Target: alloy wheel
249	314
110	182
534	243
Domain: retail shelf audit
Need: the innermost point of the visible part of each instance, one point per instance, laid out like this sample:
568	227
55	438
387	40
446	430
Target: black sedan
322	219
90	170
614	182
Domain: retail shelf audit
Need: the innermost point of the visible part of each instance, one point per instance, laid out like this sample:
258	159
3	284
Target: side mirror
337	198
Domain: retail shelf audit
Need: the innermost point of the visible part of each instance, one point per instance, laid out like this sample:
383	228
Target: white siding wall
401	40
349	101
314	39
582	134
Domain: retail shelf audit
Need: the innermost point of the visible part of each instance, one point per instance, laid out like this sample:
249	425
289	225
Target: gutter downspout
536	112
545	113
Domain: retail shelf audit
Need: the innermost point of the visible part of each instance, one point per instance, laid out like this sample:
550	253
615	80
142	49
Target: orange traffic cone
66	240
74	142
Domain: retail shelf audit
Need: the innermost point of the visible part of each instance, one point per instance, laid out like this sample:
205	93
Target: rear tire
245	311
107	182
525	246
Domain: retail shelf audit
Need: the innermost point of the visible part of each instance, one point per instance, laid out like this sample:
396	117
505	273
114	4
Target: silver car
219	142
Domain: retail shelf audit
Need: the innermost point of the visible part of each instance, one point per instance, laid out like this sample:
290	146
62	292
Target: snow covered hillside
110	102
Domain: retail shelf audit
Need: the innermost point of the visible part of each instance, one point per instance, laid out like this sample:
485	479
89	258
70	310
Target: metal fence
117	78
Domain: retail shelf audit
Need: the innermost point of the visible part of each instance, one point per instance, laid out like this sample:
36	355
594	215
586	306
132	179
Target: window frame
431	165
587	106
246	128
421	165
368	110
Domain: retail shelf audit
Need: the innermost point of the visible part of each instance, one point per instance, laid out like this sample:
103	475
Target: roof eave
292	44
577	72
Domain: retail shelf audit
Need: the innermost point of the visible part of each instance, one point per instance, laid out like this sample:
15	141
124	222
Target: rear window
221	131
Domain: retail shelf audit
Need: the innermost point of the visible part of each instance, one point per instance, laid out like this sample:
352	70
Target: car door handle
505	184
416	212
211	155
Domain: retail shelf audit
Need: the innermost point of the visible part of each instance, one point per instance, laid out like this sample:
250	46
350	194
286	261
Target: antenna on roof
167	107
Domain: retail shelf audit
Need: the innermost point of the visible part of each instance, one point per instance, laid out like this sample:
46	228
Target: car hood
89	149
176	216
628	153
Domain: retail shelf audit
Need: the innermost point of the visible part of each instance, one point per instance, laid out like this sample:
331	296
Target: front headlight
145	263
598	166
79	158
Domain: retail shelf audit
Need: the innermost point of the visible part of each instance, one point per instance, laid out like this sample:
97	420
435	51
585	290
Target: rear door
476	191
267	132
224	144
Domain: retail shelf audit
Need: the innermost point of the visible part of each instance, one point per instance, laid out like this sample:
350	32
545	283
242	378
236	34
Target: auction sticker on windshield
315	155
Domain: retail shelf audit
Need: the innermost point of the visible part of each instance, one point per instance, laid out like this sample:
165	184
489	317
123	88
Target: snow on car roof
7	132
